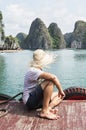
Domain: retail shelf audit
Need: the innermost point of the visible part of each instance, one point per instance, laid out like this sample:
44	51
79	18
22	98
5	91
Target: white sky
19	14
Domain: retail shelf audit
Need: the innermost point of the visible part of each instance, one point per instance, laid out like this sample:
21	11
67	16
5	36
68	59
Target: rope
4	102
3	111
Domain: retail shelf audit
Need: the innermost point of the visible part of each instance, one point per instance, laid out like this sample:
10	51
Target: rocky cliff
10	43
57	36
21	37
38	36
77	39
2	35
68	39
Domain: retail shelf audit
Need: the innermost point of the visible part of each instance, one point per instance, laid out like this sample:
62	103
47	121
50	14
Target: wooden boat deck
72	117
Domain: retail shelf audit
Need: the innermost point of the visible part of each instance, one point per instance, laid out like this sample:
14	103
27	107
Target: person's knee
47	83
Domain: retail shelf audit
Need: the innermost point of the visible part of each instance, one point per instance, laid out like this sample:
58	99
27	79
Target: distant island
40	36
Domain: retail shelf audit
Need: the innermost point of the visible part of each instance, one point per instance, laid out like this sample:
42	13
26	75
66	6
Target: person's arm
54	79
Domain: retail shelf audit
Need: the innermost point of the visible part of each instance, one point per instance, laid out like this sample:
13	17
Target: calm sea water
70	68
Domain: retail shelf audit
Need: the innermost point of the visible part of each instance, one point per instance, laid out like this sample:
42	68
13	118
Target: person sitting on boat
38	86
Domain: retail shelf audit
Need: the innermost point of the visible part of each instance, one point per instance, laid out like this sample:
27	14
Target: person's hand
61	94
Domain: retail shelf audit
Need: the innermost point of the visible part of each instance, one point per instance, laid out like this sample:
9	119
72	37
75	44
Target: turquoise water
70	68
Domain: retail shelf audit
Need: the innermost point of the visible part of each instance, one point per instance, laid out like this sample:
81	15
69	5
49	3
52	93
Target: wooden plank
72	117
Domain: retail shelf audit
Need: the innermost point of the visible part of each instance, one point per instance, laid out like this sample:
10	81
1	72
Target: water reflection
2	71
12	70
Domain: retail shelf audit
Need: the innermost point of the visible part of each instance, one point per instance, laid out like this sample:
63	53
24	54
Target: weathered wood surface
72	117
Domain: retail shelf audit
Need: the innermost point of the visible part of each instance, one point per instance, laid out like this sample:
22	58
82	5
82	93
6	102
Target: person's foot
54	111
48	115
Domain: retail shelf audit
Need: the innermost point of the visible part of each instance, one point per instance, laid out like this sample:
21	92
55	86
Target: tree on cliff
2	36
10	43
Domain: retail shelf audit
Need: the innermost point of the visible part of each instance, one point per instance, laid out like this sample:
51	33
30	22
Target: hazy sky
19	14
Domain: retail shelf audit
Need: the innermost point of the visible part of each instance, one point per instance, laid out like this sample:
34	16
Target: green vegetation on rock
2	35
11	43
21	37
77	39
57	36
38	36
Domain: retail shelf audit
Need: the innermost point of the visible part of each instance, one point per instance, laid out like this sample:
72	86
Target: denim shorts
35	99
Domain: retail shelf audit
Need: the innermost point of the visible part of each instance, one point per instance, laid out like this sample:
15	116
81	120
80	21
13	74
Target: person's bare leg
47	86
55	100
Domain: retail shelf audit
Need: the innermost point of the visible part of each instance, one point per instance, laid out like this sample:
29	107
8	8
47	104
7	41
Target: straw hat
41	59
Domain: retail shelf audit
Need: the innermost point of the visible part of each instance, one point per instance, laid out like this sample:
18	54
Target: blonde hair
41	59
